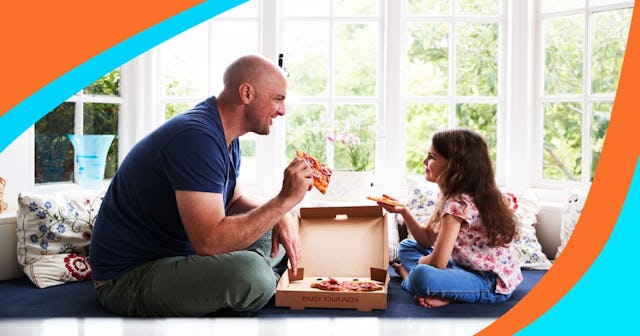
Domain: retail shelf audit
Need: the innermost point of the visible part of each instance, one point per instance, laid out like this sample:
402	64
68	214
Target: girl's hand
392	208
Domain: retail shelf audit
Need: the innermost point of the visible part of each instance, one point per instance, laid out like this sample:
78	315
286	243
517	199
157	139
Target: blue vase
90	152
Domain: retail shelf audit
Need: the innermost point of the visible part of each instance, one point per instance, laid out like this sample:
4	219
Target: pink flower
331	136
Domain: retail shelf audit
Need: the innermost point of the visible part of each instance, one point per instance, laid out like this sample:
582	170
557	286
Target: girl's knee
424	278
407	244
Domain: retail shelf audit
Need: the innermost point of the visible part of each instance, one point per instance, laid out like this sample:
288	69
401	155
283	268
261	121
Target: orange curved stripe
41	40
603	205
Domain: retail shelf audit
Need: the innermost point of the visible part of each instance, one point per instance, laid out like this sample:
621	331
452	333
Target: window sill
8	217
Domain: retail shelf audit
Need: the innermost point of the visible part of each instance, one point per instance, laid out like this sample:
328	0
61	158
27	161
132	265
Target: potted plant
357	179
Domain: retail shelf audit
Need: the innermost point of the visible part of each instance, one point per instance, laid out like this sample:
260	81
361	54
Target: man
175	235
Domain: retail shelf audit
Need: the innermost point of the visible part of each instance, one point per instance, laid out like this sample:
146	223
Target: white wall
16	167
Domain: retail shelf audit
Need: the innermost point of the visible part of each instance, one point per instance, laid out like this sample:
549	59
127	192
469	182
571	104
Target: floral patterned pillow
422	201
54	231
526	206
570	215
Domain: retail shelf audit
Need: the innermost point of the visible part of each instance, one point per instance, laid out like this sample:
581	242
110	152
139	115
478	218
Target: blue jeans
452	283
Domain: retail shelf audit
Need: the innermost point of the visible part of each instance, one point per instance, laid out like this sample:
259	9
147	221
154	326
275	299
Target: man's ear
246	92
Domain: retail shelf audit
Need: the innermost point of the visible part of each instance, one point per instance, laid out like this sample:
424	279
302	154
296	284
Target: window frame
586	98
80	99
520	102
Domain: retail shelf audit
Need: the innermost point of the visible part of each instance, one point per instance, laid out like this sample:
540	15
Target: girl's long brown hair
470	171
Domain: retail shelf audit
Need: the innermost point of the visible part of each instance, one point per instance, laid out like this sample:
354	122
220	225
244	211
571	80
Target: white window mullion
516	114
390	161
586	106
537	93
453	118
270	148
78	115
330	82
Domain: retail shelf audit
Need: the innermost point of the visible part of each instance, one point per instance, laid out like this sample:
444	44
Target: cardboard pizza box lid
345	243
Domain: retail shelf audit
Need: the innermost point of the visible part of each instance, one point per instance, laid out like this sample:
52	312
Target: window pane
108	85
174	109
482	118
306	58
611	29
356	59
53	150
604	2
562	141
226	48
103	119
478	7
354	145
428	59
248	168
247	9
558	5
422	121
423	7
563	43
477	59
307	128
355	7
185	61
599	125
305	8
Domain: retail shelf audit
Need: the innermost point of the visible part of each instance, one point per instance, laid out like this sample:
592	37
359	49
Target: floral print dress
472	251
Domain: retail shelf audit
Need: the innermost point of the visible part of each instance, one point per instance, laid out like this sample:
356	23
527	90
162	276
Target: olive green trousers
241	281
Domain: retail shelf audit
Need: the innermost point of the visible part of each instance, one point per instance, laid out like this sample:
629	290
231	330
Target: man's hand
298	179
286	233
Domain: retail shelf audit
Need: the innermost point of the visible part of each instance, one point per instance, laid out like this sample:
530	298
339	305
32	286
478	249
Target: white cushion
570	215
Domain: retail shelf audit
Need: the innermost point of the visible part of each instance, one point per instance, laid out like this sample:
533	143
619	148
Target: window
582	47
453	71
94	110
392	72
388	72
194	61
332	53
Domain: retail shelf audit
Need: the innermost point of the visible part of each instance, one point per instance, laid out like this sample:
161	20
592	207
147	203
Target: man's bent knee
255	282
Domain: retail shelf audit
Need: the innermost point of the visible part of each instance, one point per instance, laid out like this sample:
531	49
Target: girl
465	251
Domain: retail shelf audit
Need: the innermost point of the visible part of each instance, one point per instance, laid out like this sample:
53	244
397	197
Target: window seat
19	298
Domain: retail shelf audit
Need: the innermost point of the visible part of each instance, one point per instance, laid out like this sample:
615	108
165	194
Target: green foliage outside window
307	128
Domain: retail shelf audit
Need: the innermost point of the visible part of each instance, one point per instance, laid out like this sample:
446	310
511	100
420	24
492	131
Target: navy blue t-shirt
139	221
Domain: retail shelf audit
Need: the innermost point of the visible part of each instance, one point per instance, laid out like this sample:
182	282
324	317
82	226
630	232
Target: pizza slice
321	172
386	200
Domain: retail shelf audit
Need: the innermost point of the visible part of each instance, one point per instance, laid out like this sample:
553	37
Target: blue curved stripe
604	301
29	111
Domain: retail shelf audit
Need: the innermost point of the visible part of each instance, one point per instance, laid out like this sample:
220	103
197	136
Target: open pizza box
345	243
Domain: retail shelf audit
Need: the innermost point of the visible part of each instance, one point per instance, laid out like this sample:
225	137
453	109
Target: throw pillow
57	269
53	225
526	206
570	215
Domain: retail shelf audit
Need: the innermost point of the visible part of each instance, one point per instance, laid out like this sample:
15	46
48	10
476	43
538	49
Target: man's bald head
250	69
